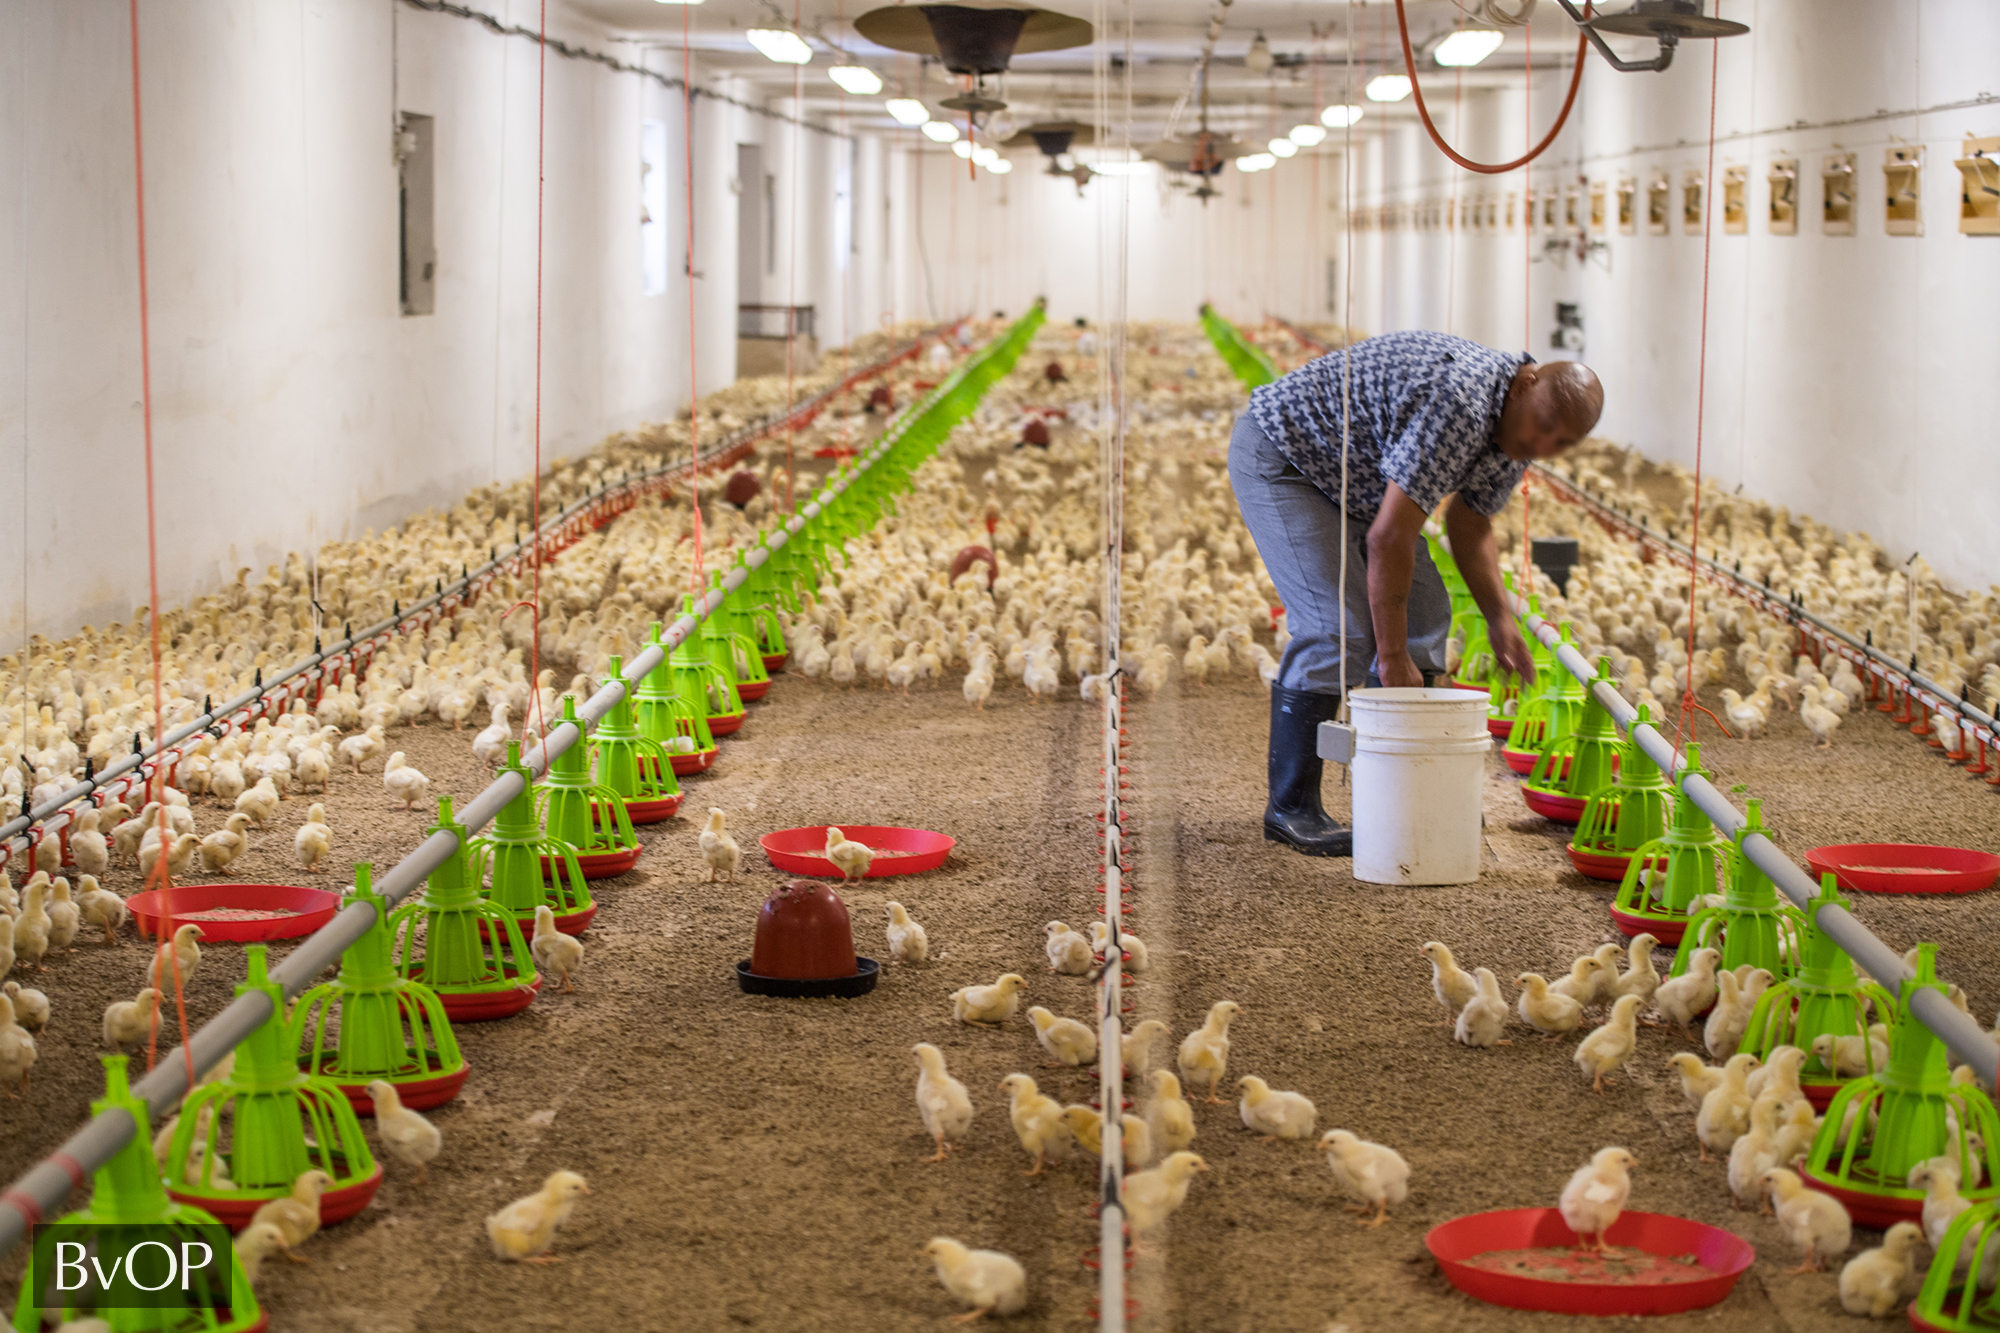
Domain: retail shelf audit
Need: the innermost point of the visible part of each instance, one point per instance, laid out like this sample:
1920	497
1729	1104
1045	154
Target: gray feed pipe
1969	1043
20	824
42	1190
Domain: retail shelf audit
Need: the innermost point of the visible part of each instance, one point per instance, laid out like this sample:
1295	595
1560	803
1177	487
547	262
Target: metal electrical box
414	163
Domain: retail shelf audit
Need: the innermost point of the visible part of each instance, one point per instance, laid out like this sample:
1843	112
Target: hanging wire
694	394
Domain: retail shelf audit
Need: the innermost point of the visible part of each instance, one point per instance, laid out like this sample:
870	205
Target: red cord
1489	169
1688	704
694	397
541	137
792	274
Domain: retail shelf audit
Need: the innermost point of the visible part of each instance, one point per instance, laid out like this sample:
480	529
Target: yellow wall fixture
1510	210
1736	200
1903	175
1658	208
1691	184
1628	206
1573	207
1785	196
1597	215
1979	187
1836	176
1549	209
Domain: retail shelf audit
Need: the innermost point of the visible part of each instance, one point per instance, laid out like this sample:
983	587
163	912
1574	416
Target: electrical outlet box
1510	210
416	234
1336	742
1528	206
1628	206
1903	174
1979	187
1785	196
1573	208
1597	218
1736	200
1657	206
1691	201
1548	210
1837	184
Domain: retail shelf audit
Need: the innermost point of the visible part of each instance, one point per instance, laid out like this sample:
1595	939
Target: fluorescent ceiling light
1467	46
1283	148
1000	166
1308	136
963	148
985	156
1340	117
907	110
940	131
781	44
857	79
1388	88
1256	162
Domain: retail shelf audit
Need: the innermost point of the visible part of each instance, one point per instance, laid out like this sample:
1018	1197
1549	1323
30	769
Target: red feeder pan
484	1006
1631	925
235	913
776	661
1456	1243
600	865
750	691
1880	1211
687	765
726	723
898	851
1905	867
575	923
1501	727
419	1095
1819	1094
1599	865
1551	805
1521	761
650	812
334	1205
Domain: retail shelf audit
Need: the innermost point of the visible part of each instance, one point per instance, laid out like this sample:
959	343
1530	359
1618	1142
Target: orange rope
1688	704
694	397
1489	169
535	525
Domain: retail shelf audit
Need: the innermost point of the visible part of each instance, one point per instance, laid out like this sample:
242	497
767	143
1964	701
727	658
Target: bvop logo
97	1266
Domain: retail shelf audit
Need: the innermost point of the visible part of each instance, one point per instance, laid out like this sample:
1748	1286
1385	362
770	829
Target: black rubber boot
1294	814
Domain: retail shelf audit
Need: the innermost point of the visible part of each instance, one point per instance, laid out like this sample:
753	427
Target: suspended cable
1490	169
694	393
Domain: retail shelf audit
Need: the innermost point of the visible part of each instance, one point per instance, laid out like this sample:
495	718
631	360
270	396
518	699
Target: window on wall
417	241
653	206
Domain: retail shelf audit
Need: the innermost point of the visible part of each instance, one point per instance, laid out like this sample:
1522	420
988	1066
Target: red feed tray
234	913
776	661
650	812
417	1094
483	1006
334	1205
1632	925
687	765
1866	1207
1554	805
724	724
898	851
1601	865
1457	1243
1521	761
600	865
1906	867
1502	727
751	691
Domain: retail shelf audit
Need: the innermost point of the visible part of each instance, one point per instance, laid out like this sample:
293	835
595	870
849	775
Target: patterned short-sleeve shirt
1425	415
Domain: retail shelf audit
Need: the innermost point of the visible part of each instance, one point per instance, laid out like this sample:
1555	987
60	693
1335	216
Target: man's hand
1510	649
1398	670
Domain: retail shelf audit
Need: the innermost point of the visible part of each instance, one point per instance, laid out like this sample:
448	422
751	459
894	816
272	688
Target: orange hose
1488	169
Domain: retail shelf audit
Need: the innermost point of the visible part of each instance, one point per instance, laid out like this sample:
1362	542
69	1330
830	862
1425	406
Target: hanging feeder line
304	679
43	1188
1969	1043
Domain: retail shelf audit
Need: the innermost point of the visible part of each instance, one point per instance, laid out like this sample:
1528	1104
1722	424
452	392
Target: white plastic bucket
1419	778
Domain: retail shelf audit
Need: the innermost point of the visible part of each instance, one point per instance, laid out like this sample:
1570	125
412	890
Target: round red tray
686	765
1502	727
1868	1209
751	691
334	1205
1600	865
775	661
1521	761
484	1006
418	1094
1453	1243
161	912
651	812
1631	925
725	724
1819	1094
601	865
1905	867
1553	805
798	850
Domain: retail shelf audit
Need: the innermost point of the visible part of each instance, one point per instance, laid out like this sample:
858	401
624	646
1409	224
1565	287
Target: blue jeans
1297	531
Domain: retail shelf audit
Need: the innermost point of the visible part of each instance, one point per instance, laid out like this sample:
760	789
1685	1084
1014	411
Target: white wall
292	402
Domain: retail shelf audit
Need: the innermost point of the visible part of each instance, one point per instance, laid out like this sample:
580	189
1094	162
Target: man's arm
1471	535
1392	560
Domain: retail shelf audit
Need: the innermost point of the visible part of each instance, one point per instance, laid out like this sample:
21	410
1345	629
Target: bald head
1549	408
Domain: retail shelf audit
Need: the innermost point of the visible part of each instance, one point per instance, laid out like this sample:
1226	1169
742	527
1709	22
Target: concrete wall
293	403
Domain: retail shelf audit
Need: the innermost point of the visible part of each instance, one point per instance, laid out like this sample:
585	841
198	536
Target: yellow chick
1152	1196
1754	1152
526	1228
1816	1224
1086	1127
180	967
1272	1114
1136	1047
907	941
127	1022
1452	984
1876	1282
718	849
1796	1132
1580	984
1849	1056
65	918
1484	1017
257	1243
1778	1078
1640	978
942	1100
100	907
1171	1118
1137	1138
1609	1047
1135	959
32	926
1070	1042
1697	1079
314	839
993	1004
358	749
260	802
1038	1121
296	1215
556	954
1596	1194
17	1049
1543	1011
405	784
1726	1023
87	844
31	1007
986	1282
179	855
1371	1174
850	858
1725	1112
1686	997
224	845
1204	1055
1069	952
6	943
406	1135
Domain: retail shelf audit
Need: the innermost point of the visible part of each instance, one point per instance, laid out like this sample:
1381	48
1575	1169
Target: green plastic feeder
279	1123
1554	712
663	715
1666	876
583	814
126	1192
753	611
730	649
473	953
1952	1300
1825	997
1507	696
1624	814
1753	925
1906	1114
523	868
383	1025
1572	767
640	771
704	683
